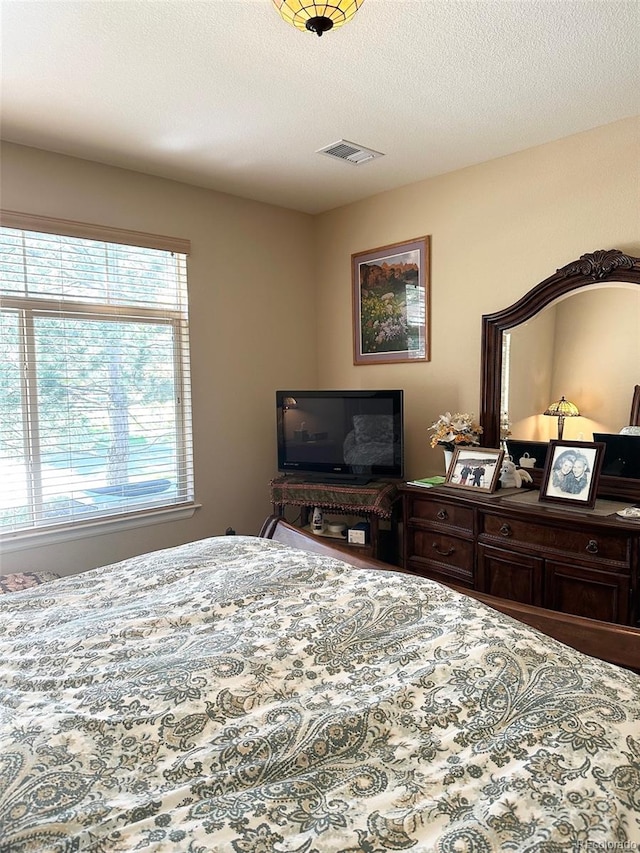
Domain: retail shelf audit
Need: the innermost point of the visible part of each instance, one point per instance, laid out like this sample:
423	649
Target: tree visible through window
94	379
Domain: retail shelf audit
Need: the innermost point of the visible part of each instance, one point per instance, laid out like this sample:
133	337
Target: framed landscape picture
476	468
571	472
391	303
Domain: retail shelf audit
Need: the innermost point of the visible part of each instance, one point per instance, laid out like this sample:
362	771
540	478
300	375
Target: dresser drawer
441	512
447	550
437	572
585	544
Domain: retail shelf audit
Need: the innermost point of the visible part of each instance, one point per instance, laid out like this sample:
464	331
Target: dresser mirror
574	334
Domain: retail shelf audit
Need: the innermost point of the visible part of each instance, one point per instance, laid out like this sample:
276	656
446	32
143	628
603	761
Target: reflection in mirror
543	359
584	346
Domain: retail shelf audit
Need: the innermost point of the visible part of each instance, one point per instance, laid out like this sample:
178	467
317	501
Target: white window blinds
95	411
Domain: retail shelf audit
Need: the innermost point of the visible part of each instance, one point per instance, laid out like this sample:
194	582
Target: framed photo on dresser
476	468
571	472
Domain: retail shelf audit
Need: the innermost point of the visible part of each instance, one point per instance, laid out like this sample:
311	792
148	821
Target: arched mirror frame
596	268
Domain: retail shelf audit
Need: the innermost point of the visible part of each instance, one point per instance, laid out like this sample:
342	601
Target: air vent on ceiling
349	152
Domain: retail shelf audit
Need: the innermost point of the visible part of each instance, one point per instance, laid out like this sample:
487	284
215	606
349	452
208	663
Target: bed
241	694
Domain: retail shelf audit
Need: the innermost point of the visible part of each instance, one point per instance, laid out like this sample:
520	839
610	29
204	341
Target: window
95	415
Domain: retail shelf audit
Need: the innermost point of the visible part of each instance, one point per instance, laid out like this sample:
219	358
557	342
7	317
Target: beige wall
497	229
252	300
271	295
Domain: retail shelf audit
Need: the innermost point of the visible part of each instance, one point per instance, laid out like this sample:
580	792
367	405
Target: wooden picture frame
391	303
475	468
571	472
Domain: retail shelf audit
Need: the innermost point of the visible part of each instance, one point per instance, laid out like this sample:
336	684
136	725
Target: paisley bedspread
237	695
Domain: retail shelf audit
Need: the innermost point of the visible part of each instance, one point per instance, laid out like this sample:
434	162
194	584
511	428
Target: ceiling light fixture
317	17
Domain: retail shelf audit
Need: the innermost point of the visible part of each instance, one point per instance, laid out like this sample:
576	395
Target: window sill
41	538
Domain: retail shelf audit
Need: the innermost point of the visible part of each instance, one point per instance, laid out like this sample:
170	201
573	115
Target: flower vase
448	456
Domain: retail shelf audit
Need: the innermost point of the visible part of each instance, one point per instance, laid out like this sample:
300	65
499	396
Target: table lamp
562	409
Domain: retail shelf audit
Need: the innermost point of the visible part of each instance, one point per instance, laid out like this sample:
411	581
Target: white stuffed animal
510	476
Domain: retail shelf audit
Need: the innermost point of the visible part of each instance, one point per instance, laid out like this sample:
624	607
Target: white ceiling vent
349	152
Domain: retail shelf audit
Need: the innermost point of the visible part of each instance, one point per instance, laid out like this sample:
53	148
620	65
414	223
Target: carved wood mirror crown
590	270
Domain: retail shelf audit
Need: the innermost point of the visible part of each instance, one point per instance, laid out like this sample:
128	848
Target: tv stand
374	501
346	480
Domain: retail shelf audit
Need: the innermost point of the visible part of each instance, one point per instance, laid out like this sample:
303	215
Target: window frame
28	309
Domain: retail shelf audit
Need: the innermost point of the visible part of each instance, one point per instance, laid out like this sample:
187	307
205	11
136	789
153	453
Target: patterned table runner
376	497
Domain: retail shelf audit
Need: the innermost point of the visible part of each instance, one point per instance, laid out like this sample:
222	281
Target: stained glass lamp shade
318	18
562	409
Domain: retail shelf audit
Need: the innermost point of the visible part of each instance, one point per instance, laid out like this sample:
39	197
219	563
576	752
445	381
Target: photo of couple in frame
571	472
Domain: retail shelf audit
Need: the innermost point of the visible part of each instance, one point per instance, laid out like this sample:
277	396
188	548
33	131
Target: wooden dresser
510	545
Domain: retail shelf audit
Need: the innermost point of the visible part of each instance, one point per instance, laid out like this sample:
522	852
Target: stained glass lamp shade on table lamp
562	409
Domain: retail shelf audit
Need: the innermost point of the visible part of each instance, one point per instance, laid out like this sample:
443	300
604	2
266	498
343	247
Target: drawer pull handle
450	550
506	530
592	546
442	515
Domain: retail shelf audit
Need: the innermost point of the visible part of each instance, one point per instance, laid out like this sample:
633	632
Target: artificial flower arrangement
450	430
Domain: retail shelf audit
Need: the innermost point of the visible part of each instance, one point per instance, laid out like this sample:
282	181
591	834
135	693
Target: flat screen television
621	454
346	436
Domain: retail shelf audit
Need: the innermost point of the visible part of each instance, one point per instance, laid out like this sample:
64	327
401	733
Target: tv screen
621	455
341	435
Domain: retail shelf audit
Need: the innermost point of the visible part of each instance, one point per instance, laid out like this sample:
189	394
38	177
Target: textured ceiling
225	95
